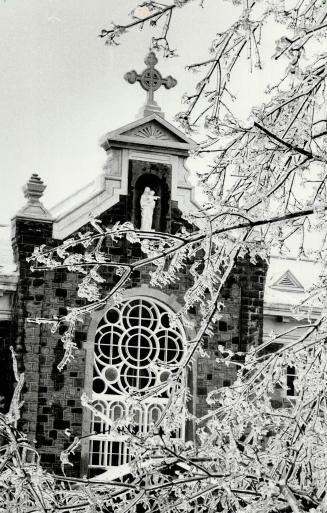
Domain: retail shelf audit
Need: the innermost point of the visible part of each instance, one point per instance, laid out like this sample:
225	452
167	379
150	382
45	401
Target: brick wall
6	373
241	325
52	399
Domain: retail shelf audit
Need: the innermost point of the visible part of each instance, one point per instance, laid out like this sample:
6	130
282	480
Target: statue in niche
147	202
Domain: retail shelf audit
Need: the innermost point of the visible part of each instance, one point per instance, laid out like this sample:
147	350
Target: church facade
144	181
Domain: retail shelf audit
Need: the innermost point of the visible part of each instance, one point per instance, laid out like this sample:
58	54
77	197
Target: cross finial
150	80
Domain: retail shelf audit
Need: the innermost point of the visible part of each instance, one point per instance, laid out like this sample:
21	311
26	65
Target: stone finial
33	191
34	188
150	80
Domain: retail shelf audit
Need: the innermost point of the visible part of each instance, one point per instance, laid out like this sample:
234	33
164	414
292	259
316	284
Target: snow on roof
291	271
76	199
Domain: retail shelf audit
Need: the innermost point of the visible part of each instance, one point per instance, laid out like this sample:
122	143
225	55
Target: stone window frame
147	292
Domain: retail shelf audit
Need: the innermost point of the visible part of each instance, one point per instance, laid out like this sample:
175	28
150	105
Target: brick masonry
6	373
241	325
52	399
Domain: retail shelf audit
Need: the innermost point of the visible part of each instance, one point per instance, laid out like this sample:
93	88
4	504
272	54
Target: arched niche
157	176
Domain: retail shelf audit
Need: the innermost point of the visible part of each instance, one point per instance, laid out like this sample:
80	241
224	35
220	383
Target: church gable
131	347
151	130
155	131
146	153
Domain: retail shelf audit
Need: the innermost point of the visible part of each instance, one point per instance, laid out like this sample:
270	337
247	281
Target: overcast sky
62	88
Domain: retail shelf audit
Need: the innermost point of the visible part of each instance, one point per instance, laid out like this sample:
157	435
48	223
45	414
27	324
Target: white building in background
290	306
289	284
8	275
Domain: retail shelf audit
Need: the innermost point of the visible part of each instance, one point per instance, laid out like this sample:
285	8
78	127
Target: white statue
147	202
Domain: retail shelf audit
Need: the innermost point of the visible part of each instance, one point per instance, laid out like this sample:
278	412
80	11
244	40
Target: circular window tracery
133	345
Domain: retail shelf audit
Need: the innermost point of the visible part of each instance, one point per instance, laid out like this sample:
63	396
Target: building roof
79	197
289	282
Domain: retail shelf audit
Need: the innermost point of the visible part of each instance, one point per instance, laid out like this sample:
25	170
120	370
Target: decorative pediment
153	130
288	282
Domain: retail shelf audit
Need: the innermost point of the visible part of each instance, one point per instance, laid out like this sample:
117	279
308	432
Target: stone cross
150	80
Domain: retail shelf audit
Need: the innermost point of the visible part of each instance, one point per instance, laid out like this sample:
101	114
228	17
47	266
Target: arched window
99	424
117	411
137	415
154	413
135	348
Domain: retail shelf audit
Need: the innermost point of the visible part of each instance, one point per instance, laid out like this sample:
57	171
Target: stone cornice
287	310
179	149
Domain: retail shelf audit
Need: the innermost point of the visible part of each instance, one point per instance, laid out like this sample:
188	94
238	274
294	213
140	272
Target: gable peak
153	130
288	282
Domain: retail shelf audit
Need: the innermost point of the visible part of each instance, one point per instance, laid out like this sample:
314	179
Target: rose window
135	347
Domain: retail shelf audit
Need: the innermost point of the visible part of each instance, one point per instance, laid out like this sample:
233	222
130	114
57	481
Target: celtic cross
150	80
